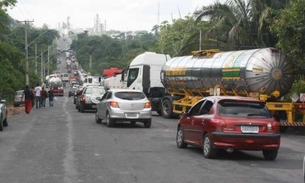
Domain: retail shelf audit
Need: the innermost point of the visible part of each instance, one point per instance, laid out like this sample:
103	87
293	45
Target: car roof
124	90
233	98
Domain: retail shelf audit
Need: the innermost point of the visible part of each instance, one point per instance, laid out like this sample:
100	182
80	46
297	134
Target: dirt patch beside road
11	110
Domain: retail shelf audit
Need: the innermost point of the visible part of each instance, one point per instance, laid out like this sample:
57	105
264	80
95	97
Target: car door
201	121
102	107
188	129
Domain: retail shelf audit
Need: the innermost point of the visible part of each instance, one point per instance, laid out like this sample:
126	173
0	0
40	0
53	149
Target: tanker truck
265	74
56	85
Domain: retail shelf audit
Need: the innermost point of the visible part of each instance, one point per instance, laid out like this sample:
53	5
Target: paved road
60	145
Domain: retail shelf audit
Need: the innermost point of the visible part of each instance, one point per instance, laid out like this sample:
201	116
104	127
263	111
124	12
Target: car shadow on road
126	125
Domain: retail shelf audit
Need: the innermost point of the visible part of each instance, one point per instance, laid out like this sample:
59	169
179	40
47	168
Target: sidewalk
11	110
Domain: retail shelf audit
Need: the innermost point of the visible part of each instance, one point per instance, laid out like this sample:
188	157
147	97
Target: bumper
246	141
142	116
58	92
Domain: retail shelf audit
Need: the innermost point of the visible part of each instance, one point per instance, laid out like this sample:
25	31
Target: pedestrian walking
28	98
51	97
33	98
37	96
44	96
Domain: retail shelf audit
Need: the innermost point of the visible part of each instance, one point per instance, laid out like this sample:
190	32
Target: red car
229	123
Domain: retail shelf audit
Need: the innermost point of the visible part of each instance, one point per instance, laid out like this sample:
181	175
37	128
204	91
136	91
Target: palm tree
241	22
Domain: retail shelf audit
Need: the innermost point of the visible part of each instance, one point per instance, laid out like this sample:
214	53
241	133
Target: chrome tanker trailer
266	74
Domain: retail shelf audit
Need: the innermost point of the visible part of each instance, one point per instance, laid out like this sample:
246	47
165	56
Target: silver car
124	105
17	98
3	114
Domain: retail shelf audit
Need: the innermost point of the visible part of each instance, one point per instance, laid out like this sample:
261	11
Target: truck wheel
167	109
281	117
208	150
270	154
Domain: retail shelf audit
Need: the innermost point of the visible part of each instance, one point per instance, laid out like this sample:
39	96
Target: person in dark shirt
28	97
51	97
44	95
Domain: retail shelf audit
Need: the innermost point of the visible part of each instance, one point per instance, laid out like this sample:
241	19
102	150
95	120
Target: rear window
95	91
243	109
126	95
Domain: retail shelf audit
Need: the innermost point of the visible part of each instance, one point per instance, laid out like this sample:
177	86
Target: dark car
90	96
229	123
72	90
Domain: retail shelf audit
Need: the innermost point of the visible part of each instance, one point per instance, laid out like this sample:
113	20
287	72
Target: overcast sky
118	14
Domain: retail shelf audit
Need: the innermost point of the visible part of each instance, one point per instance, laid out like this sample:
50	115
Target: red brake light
83	98
218	123
114	104
300	106
147	105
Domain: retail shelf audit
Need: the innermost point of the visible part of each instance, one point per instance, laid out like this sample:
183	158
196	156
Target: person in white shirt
38	96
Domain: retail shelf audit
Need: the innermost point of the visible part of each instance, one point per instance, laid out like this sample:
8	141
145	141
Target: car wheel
180	139
1	126
109	121
270	154
208	150
147	124
167	109
5	123
81	108
97	119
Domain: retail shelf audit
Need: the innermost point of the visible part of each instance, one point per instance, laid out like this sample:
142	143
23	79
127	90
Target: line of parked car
114	105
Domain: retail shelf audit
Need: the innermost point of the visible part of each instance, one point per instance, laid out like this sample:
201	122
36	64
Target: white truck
143	74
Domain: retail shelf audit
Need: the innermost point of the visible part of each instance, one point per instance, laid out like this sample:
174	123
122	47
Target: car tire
208	150
167	109
1	126
5	123
180	139
97	119
270	154
81	108
109	121
147	124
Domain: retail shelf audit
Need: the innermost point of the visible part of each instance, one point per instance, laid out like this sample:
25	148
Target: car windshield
95	91
130	95
243	109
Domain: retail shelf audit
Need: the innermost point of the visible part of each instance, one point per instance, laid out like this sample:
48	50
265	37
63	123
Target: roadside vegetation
233	25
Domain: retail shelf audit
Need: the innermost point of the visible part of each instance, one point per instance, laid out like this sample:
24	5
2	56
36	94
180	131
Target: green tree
289	28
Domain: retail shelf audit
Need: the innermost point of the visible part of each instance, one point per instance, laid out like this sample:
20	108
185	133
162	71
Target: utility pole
48	60
26	22
36	58
41	68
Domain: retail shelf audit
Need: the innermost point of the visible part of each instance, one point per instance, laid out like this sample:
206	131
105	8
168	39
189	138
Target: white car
118	105
3	114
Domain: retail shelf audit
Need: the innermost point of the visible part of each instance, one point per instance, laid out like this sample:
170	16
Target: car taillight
83	98
275	126
114	104
219	124
299	106
147	105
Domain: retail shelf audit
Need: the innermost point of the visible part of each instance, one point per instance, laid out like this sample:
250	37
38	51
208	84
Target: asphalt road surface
61	145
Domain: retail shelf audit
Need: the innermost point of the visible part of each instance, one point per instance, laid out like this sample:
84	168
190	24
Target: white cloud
118	14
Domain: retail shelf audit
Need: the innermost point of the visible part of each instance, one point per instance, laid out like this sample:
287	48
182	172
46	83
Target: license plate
131	115
249	129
